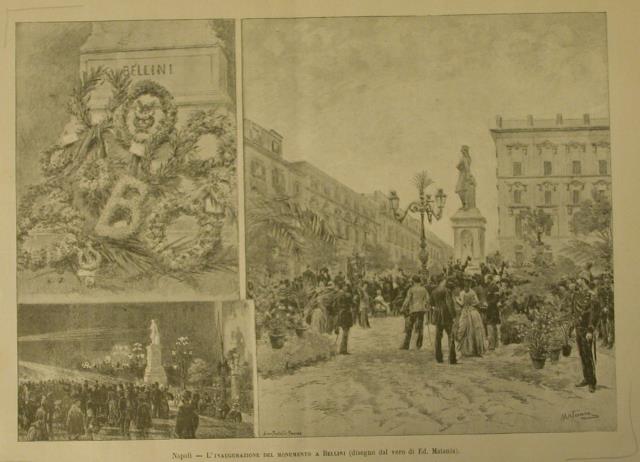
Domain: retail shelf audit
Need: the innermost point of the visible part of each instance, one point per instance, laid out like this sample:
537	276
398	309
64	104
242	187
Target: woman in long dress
470	331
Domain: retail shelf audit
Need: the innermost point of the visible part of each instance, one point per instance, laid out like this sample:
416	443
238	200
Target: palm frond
421	180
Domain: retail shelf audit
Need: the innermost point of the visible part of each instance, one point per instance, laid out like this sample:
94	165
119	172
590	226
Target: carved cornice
517	147
546	144
518	208
517	186
602	184
601	144
547	186
575	145
575	184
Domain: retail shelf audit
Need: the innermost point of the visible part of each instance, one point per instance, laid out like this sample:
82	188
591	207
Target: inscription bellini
148	69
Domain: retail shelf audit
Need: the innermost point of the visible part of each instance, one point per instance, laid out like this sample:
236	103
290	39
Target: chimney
586	119
530	120
558	119
499	121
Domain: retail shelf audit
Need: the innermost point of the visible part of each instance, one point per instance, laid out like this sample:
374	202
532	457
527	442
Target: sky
372	101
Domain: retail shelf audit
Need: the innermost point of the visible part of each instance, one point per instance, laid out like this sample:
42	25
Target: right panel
429	240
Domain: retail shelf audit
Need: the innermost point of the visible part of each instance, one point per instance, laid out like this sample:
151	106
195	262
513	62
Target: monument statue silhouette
154	372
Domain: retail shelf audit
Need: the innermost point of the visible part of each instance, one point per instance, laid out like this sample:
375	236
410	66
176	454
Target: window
547	198
547	168
517	168
603	168
575	196
518	226
257	169
278	181
296	188
517	196
547	230
576	168
275	147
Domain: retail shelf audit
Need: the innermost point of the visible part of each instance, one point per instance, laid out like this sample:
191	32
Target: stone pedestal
154	371
184	56
468	237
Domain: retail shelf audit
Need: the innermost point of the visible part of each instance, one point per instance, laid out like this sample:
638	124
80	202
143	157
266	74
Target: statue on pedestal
466	185
154	372
468	222
155	333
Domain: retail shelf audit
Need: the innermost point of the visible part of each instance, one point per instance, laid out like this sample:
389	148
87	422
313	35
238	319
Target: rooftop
559	123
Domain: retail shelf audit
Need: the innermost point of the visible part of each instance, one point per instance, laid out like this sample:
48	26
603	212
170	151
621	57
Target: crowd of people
64	409
466	306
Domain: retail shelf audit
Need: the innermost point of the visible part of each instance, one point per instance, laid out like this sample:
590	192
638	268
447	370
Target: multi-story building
552	165
355	218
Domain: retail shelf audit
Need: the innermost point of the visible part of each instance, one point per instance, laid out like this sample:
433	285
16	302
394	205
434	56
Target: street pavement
381	390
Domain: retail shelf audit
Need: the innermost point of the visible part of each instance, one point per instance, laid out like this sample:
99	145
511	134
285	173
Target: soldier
584	315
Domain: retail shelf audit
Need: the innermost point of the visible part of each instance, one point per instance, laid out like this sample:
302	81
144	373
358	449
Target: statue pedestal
154	371
468	237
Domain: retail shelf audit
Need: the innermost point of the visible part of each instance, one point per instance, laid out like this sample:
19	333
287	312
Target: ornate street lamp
426	205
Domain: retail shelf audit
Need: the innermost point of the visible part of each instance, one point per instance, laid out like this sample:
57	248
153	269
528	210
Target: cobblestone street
381	390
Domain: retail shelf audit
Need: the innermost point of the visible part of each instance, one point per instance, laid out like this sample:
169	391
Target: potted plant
556	342
276	321
299	325
538	335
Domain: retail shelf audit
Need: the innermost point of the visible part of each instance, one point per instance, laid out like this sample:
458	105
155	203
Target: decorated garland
135	123
108	217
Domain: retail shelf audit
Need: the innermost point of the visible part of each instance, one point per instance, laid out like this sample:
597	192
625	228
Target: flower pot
277	341
300	331
566	350
538	361
554	355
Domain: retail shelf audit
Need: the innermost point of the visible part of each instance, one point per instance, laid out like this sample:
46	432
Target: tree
279	230
377	257
182	358
591	223
535	225
200	372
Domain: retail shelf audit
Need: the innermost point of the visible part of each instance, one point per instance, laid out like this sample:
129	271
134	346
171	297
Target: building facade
552	165
355	218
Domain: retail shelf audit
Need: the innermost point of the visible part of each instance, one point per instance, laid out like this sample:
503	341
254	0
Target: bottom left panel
135	371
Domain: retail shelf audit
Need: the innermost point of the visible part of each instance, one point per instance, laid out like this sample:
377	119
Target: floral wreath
214	180
165	126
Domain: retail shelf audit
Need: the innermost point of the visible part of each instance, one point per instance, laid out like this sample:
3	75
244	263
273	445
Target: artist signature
578	415
281	433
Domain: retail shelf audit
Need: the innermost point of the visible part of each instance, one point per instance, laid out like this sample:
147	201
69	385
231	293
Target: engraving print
126	160
428	223
135	371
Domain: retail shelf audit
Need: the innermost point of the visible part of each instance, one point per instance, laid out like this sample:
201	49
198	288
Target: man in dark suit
342	308
444	315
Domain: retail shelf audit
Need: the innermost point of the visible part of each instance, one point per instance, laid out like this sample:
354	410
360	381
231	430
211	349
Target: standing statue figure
155	333
466	186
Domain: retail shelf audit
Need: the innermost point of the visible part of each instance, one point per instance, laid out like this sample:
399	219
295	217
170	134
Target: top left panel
126	169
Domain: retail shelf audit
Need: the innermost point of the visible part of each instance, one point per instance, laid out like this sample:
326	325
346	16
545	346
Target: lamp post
426	205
